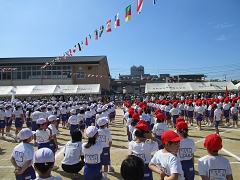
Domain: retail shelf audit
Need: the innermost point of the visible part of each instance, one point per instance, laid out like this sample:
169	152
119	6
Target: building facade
72	70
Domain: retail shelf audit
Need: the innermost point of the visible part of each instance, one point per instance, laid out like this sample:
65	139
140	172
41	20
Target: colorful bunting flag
108	26
70	52
86	42
128	13
154	1
139	6
117	21
96	34
81	42
79	47
67	53
74	49
101	30
90	36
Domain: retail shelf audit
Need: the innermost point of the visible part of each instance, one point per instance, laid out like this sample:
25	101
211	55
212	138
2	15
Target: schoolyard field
119	150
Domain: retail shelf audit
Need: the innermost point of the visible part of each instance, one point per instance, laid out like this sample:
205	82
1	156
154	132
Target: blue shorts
199	117
211	114
93	171
188	169
111	115
183	112
226	113
2	124
234	117
28	122
9	121
82	126
168	116
190	114
43	145
147	173
18	123
105	156
64	117
216	123
34	125
88	121
58	121
28	174
52	146
73	127
207	113
174	118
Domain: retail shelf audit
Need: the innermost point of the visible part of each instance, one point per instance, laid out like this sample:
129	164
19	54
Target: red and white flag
117	21
86	42
139	6
108	26
74	49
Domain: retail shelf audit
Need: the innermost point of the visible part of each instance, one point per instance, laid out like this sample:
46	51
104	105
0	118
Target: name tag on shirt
39	139
185	152
142	156
91	159
218	174
19	156
101	138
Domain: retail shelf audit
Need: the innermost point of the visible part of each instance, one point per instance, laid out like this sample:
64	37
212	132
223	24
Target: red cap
136	116
161	116
142	124
182	125
232	104
180	119
213	142
213	105
170	135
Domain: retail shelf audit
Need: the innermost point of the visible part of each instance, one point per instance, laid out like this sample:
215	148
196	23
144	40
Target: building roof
43	60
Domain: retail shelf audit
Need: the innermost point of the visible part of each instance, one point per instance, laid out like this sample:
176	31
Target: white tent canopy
50	89
237	86
190	87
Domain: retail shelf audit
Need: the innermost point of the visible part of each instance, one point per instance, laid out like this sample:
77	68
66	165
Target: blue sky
173	36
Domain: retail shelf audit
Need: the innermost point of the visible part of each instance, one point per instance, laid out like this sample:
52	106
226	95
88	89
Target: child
64	115
73	121
43	133
213	165
19	118
35	116
132	168
3	120
8	111
105	137
73	158
82	117
53	144
43	163
165	162
175	112
131	127
92	151
22	156
159	127
217	117
29	117
186	151
234	113
139	147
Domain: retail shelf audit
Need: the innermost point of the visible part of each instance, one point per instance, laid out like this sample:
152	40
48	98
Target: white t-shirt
73	152
92	155
63	110
18	113
53	128
8	113
168	163
36	115
200	110
159	128
104	136
143	150
2	115
50	178
218	114
22	153
175	111
187	148
88	114
82	117
128	122
214	167
74	119
42	136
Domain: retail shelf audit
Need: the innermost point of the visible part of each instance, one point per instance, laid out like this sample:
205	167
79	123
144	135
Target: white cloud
223	25
222	38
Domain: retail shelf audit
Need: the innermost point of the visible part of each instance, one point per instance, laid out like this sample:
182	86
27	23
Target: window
80	75
16	74
6	75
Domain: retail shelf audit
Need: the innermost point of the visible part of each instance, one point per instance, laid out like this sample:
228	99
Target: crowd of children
147	130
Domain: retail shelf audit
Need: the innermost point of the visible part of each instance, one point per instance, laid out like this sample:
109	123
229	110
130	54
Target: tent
50	89
237	86
190	87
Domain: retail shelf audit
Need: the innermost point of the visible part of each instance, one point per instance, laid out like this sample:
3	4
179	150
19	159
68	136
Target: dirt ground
119	150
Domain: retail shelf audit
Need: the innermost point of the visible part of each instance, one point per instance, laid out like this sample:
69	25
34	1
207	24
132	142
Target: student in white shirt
28	116
213	165
43	133
190	110
186	151
43	164
165	162
53	144
139	147
88	115
3	120
35	116
73	121
234	113
22	156
82	117
217	117
8	112
19	118
64	116
73	157
105	137
92	151
131	127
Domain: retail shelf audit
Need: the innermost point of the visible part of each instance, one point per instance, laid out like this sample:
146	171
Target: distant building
137	70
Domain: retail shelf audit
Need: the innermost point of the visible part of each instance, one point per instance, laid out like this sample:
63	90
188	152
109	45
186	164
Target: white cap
73	111
102	121
29	106
25	133
99	110
41	121
91	131
43	155
49	106
81	108
52	118
1	105
18	104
